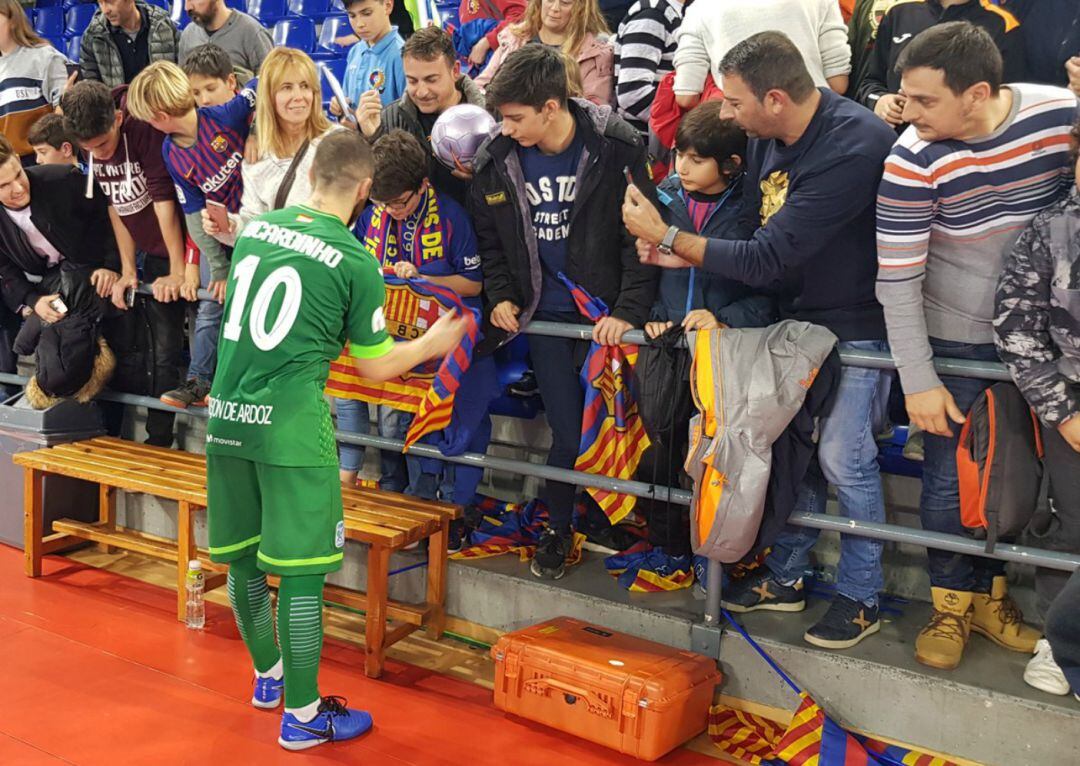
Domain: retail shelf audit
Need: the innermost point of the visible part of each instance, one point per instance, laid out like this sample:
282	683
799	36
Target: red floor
95	669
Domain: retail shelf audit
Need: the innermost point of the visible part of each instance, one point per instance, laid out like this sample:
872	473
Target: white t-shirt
41	245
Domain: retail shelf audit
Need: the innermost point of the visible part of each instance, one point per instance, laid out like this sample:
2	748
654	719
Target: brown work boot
941	643
997	617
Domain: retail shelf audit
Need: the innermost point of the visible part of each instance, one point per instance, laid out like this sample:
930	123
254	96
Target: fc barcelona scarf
613	437
412	306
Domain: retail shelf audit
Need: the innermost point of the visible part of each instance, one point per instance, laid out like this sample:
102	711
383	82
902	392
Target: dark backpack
662	385
999	464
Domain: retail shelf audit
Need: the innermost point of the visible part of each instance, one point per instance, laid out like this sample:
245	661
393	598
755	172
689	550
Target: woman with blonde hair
29	63
289	124
577	28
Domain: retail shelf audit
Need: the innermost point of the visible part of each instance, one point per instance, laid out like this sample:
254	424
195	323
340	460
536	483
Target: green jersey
299	285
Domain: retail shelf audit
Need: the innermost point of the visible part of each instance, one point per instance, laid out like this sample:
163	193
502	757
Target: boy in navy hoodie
704	195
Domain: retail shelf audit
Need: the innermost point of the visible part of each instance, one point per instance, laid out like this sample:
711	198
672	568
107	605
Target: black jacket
903	21
77	227
601	256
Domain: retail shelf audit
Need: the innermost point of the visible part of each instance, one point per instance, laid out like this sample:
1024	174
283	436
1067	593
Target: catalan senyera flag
613	438
811	739
412	306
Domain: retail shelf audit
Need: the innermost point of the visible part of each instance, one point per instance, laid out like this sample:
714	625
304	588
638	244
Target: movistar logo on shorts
298	242
240	412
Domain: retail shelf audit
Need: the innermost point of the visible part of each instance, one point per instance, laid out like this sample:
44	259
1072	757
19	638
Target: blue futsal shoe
334	723
268	692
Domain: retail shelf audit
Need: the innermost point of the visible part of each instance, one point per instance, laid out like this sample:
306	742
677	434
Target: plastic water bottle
196	611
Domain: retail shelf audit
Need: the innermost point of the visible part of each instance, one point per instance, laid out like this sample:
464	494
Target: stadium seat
179	14
46	4
448	13
57	42
237	5
311	9
49	21
332	28
162	4
268	12
78	19
295	33
74	46
337	66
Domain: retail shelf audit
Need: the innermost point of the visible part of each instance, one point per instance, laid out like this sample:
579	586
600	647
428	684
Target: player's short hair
208	60
532	75
89	110
161	88
50	130
964	53
769	61
428	44
401	165
342	161
7	151
705	133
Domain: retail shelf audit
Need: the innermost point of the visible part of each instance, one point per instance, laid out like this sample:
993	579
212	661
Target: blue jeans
354	415
939	507
847	453
207	326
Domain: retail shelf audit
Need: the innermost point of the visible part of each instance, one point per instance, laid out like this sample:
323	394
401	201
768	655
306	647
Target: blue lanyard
693	270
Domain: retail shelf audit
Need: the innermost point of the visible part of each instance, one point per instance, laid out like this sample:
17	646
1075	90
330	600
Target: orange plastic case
629	694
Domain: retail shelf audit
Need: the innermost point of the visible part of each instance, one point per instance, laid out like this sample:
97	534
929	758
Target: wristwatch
668	242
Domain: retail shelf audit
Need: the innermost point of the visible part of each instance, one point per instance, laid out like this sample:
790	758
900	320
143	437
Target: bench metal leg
378	585
33	521
107	513
435	623
185	552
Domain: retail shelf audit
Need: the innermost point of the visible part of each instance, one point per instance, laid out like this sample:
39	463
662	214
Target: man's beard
201	20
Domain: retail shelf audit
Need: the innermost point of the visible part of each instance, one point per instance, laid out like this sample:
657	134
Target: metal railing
885	532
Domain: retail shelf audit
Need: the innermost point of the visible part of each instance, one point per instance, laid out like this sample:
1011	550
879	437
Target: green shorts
290	517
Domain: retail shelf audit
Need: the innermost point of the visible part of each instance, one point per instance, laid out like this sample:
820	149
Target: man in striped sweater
644	53
978	162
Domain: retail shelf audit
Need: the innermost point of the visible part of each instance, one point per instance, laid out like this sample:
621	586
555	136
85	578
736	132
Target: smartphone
629	176
71	69
58	305
129	297
219	214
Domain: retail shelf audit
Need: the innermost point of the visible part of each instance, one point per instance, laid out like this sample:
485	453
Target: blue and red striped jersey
210	168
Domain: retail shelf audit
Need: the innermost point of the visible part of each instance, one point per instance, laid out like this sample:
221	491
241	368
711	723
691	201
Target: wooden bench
385	521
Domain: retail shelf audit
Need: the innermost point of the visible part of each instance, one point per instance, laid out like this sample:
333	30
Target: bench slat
179	477
129	540
126	480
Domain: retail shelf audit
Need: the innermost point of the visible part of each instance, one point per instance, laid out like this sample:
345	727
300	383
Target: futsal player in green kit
299	286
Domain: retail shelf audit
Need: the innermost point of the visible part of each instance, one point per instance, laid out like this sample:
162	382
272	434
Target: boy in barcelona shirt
203	151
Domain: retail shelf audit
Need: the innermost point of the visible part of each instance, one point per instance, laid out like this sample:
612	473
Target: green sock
300	630
250	599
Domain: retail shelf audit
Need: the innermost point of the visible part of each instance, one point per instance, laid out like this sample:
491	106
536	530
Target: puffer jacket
1037	322
99	58
748	384
595	57
601	256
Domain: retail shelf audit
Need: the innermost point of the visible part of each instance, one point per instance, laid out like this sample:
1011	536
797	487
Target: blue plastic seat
78	19
74	47
268	12
337	66
162	4
295	33
45	4
179	14
311	9
49	21
332	28
237	5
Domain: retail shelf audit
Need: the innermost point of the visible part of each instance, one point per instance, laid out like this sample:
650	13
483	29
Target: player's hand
890	108
216	288
504	316
369	113
609	331
700	319
189	291
479	52
167	289
405	270
120	287
44	309
445	335
932	410
103	281
656	329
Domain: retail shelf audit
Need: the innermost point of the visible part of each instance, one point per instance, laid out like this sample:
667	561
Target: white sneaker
1043	673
